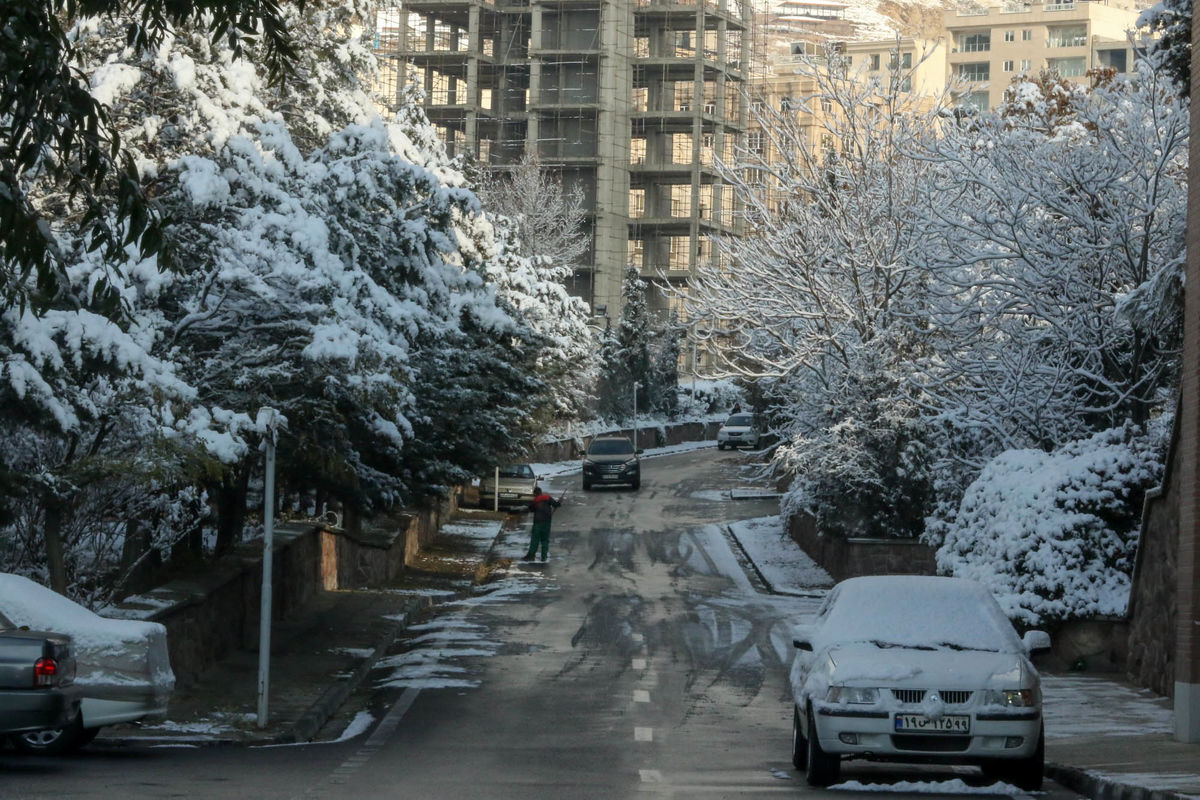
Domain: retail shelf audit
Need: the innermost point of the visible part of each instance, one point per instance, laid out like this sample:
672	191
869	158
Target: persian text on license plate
916	723
508	494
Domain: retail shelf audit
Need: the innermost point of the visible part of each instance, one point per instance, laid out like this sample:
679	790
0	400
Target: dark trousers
540	535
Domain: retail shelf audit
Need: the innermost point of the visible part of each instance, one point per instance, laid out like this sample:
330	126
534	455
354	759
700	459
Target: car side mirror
1036	641
802	644
639	451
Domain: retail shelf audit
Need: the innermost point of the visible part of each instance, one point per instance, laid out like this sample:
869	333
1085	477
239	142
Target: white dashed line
639	663
641	696
643	734
638	638
650	776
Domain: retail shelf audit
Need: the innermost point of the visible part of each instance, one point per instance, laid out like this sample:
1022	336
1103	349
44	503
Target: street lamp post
269	421
636	386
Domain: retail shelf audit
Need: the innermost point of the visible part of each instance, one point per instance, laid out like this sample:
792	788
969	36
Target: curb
1099	787
332	698
771	588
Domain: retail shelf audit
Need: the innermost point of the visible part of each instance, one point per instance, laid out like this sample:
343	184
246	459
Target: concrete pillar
1187	639
612	175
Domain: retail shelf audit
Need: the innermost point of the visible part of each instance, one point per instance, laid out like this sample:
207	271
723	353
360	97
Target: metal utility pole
269	420
636	386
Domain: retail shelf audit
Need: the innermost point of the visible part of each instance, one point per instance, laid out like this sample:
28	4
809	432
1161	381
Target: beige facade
628	100
989	47
921	63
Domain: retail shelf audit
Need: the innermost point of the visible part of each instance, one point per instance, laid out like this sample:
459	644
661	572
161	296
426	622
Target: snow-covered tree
827	296
1058	264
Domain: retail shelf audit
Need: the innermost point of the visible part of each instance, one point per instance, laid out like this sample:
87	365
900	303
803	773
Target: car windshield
739	421
610	447
516	471
918	612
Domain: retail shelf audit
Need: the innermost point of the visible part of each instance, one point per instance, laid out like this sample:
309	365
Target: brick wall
851	558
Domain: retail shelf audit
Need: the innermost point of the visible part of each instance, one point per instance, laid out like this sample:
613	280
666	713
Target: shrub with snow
1053	534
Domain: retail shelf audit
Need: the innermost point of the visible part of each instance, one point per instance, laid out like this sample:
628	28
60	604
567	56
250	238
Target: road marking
643	734
378	738
639	638
650	776
641	696
639	663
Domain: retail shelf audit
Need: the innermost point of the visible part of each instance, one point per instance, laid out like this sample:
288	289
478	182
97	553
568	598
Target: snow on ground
785	566
478	530
1078	705
359	725
956	786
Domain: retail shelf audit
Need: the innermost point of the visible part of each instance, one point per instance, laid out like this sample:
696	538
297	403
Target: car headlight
851	694
1011	698
631	462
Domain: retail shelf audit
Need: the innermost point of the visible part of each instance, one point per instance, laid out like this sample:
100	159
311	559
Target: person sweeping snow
543	506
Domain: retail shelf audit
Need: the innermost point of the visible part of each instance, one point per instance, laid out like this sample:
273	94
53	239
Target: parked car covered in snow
740	430
123	669
37	673
917	669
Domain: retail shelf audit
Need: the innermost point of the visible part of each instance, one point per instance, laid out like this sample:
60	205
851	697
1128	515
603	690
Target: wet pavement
1105	739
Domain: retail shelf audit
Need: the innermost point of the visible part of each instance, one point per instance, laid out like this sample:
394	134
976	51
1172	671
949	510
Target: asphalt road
641	660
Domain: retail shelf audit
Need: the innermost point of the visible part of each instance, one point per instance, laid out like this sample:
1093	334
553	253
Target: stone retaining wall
1153	599
211	615
851	558
648	437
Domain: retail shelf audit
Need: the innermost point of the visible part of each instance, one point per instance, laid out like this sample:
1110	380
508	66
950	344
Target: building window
977	101
980	71
681	148
1068	67
826	105
681	200
641	47
754	142
637	150
1027	35
637	203
975	42
1026	65
679	252
906	84
636	252
1067	36
1010	36
1008	65
875	61
1114	59
641	98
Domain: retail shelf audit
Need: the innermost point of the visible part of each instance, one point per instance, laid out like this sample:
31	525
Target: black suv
611	459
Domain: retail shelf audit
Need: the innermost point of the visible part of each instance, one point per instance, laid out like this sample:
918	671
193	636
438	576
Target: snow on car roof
25	602
916	611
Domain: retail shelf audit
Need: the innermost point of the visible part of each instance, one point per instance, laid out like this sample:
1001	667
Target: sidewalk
1105	738
318	658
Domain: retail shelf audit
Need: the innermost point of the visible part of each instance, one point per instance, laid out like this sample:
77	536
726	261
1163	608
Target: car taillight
45	671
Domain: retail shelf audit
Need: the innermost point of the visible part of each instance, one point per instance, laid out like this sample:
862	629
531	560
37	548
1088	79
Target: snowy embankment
778	558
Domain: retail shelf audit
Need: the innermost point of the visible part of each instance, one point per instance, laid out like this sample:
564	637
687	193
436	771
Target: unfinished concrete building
629	100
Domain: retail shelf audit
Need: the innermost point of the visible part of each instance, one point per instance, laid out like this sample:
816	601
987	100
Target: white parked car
916	669
123	670
739	430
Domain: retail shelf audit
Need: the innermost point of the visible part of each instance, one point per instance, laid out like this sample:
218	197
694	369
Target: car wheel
799	743
587	486
1026	773
53	742
822	768
637	484
720	445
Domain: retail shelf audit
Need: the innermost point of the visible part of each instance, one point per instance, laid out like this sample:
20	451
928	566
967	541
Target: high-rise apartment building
631	101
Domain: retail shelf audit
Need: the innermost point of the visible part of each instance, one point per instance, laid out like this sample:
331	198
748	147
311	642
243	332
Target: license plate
916	723
508	494
609	477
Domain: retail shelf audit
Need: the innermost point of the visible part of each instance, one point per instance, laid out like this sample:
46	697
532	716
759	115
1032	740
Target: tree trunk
231	509
56	561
